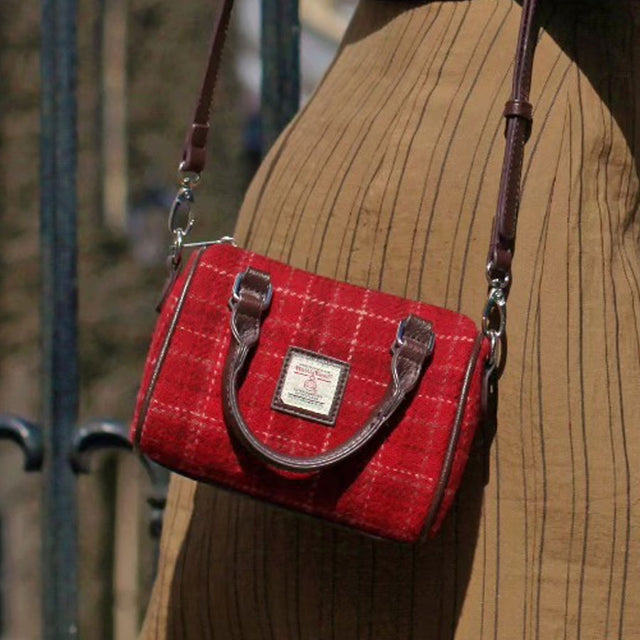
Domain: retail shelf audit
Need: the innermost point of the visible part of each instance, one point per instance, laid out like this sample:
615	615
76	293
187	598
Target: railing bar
58	312
280	52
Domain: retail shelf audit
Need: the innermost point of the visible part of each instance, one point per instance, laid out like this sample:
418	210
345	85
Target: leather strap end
256	281
418	339
250	300
519	109
194	156
522	110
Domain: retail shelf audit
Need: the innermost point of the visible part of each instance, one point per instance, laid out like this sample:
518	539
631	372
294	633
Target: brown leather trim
410	354
519	109
443	480
163	353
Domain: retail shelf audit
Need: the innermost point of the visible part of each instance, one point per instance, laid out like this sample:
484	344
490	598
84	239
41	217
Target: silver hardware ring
497	283
187	178
496	302
235	293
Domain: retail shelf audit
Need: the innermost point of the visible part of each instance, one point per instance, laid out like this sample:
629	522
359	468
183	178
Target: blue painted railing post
59	310
58	172
280	52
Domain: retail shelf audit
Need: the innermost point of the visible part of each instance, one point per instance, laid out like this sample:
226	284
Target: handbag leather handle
251	299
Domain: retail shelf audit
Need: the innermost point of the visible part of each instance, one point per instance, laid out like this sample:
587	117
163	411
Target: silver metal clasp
494	326
501	281
494	318
181	218
180	223
207	243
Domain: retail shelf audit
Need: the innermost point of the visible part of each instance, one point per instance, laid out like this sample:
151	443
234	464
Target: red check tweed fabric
387	492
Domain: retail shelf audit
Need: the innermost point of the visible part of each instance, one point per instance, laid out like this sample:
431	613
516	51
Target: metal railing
58	446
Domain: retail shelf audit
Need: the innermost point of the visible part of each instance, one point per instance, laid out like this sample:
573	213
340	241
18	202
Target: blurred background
140	65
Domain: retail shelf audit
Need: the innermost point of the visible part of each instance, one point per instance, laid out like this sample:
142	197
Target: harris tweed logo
311	385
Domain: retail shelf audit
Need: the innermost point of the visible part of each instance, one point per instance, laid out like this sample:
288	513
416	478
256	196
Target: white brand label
311	385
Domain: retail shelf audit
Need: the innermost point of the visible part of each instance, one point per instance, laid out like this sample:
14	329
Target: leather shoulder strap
194	155
518	112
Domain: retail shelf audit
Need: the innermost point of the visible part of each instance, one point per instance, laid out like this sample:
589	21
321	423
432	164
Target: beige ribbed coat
388	178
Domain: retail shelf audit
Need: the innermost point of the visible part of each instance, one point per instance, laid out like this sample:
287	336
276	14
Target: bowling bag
332	400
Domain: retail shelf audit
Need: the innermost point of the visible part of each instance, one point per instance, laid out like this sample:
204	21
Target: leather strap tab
519	109
251	297
194	155
250	301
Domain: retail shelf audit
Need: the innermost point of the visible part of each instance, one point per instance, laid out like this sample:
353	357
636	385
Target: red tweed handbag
329	399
